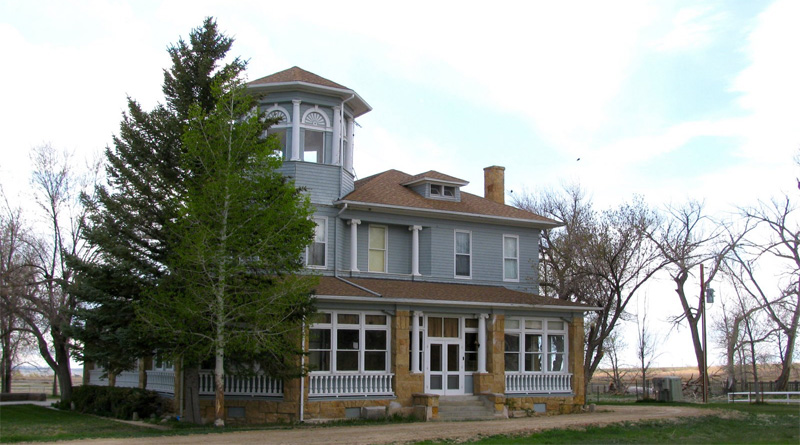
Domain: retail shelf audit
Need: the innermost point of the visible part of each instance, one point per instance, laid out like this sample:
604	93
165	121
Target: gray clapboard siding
437	248
321	180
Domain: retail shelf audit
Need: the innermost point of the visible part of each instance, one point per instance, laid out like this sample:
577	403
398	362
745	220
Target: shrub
116	402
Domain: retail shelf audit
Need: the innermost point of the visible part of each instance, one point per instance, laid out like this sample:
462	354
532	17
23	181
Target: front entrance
444	357
446	373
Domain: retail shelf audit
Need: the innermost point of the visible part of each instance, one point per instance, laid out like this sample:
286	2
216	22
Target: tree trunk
191	395
63	371
786	363
219	388
6	365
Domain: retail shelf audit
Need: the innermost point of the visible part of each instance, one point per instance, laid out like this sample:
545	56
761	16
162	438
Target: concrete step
453	408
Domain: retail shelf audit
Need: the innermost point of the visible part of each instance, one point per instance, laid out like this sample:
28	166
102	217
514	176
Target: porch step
452	408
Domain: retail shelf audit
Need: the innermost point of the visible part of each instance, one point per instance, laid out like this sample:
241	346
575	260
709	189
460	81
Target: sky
669	100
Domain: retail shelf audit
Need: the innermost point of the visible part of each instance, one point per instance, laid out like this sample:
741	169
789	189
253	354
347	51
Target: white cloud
692	28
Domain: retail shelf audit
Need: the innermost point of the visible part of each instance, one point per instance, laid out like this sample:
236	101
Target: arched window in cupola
315	126
316	119
281	127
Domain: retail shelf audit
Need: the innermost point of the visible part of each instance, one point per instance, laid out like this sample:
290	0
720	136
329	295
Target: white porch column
354	244
415	341
348	158
415	249
295	130
482	342
337	136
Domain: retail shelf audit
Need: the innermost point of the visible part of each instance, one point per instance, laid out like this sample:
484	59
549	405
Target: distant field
38	383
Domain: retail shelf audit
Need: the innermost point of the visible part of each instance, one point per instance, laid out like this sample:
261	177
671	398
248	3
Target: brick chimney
494	184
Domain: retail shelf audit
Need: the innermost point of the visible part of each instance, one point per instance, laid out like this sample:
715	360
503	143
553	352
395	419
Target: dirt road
404	433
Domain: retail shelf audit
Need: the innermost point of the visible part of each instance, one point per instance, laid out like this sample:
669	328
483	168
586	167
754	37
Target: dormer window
434	185
442	191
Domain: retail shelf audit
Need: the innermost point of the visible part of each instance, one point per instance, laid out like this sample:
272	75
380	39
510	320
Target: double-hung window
463	254
535	345
377	248
349	342
315	255
510	258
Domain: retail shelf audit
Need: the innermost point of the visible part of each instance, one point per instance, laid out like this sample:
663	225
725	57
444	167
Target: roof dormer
435	185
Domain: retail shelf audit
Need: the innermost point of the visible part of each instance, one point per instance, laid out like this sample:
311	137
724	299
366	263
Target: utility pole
705	349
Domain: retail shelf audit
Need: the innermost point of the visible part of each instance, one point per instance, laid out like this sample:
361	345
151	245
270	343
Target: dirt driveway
403	433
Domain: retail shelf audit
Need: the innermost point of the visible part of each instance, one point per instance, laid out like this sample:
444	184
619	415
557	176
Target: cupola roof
298	79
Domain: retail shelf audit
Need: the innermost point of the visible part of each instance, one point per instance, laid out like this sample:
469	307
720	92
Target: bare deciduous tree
772	246
646	345
15	274
686	239
601	259
613	347
49	308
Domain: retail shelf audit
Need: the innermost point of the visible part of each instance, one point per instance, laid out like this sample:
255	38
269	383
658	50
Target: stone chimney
494	184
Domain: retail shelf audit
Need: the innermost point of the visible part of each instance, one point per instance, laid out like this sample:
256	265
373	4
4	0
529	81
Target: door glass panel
451	327
452	381
436	357
470	351
436	382
452	357
434	327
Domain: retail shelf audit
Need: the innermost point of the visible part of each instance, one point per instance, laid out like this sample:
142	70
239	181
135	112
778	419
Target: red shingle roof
296	74
387	189
433	174
445	292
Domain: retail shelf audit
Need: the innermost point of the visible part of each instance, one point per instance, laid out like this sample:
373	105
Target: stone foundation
526	406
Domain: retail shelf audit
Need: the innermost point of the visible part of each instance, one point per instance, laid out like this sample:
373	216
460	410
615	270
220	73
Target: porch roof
421	291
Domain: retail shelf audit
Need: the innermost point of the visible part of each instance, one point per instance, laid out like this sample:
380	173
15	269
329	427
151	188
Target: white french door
444	357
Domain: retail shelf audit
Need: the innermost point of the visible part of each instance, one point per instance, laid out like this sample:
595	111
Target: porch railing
522	383
255	385
345	385
127	379
96	379
161	381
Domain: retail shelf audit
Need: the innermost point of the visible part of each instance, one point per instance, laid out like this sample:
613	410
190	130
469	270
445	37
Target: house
427	292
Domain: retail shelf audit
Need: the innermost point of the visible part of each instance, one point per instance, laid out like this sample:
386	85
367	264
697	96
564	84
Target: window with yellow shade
377	248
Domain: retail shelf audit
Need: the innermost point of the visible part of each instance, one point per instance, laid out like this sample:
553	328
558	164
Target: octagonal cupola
316	124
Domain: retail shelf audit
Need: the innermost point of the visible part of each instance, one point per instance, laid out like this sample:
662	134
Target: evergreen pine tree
131	216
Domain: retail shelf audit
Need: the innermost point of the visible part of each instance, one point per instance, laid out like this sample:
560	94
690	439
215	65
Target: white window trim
385	247
308	253
286	123
455	255
545	331
316	109
442	195
512	280
362	328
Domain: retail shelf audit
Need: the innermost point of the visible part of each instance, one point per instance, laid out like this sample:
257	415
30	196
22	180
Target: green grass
739	423
32	423
20	423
